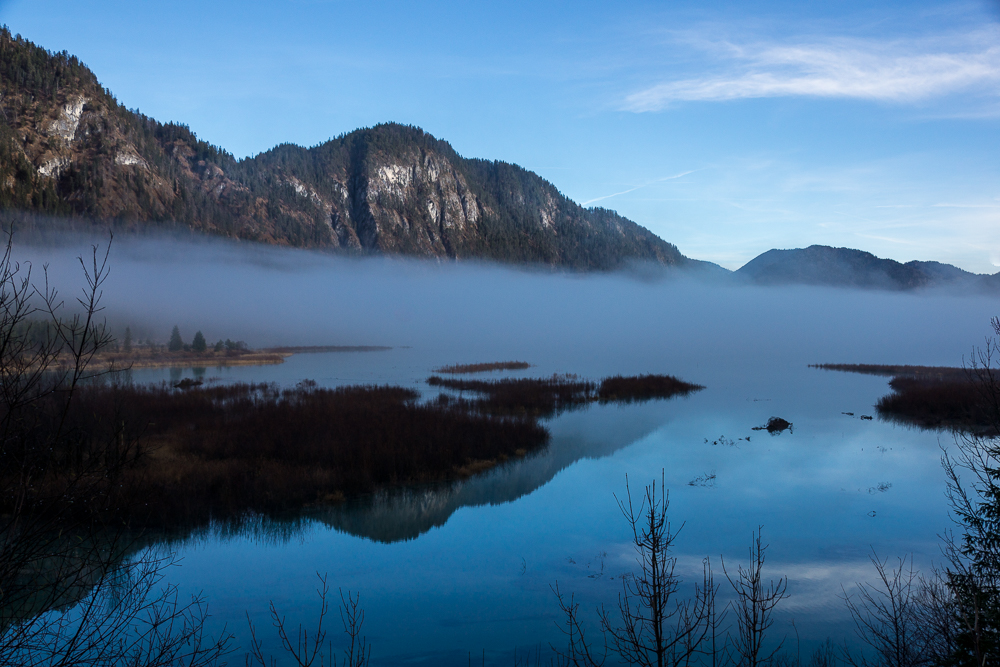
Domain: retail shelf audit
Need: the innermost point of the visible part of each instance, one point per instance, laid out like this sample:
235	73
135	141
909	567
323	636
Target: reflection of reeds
485	367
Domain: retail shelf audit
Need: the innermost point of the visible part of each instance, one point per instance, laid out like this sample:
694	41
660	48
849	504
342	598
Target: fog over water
275	296
466	567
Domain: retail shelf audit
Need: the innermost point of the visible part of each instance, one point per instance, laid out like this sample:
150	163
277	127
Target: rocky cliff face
68	148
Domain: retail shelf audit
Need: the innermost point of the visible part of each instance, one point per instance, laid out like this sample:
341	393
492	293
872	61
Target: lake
462	572
466	568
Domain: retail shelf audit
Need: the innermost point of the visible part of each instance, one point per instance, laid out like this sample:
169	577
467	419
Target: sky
725	128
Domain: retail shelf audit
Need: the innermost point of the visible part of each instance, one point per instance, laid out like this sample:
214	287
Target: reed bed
219	451
898	370
459	369
545	397
933	403
619	389
190	454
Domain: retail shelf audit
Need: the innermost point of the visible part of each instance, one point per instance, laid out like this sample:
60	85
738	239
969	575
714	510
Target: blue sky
724	128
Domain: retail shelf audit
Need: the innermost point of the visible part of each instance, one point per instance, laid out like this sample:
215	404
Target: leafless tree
936	618
754	606
653	625
885	616
306	649
580	651
74	590
825	655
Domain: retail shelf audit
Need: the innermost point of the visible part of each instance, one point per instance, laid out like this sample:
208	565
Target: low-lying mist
628	322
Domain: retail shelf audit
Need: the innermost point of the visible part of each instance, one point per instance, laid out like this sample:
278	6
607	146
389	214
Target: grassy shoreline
897	370
933	397
143	357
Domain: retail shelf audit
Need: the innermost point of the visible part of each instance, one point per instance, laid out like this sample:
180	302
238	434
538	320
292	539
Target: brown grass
146	358
209	451
930	396
312	349
540	397
620	389
484	367
544	397
934	403
897	370
221	451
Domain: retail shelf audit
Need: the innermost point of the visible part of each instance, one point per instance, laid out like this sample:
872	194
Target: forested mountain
68	148
845	267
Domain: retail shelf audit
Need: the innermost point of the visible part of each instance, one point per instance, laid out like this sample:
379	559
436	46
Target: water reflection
405	514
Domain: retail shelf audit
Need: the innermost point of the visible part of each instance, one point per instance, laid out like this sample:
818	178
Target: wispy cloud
638	187
837	68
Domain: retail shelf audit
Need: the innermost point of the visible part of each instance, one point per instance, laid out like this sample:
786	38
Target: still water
465	569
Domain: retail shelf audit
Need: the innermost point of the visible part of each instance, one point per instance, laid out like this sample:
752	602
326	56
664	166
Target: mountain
69	149
845	267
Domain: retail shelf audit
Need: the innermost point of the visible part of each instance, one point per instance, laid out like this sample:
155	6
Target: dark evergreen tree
127	343
199	344
175	344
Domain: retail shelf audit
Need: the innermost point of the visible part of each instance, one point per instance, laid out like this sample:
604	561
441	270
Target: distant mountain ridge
69	149
846	267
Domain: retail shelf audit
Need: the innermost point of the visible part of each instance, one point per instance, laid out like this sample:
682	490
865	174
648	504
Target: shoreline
268	356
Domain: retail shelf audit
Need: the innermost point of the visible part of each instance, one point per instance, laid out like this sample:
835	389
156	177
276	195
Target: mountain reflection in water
405	514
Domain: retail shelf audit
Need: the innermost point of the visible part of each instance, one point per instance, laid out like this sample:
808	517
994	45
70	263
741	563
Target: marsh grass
932	403
897	370
544	397
539	397
928	396
618	389
215	452
459	369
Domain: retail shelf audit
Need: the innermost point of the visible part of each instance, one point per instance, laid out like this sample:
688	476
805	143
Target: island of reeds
546	396
459	369
197	452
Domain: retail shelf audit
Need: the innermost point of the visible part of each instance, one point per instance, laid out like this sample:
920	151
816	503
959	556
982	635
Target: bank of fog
628	322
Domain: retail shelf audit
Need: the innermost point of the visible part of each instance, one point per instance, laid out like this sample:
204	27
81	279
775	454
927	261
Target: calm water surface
465	569
453	569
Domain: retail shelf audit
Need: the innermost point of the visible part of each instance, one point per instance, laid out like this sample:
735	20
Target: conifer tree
175	344
199	344
127	343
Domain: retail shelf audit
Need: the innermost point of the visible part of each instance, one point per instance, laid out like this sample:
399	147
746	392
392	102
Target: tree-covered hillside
68	148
